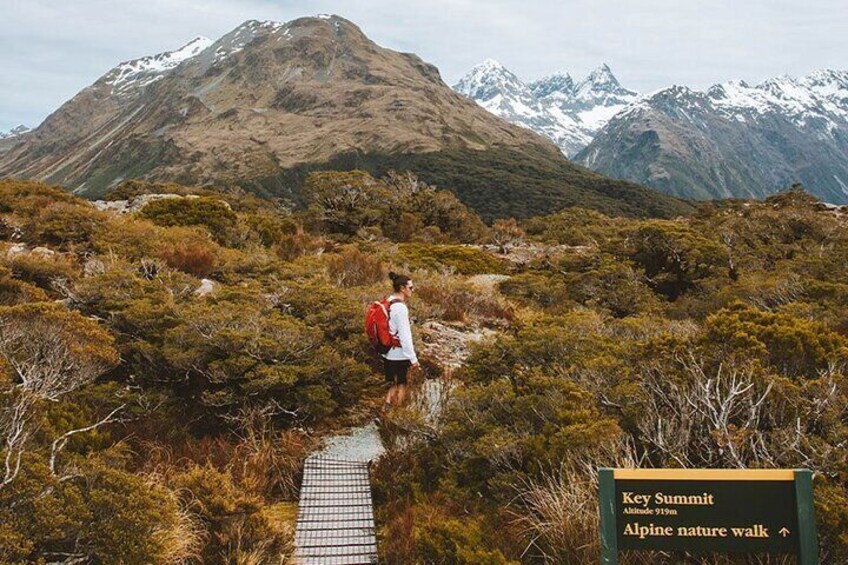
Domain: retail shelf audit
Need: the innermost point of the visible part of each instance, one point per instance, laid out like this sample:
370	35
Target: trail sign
704	510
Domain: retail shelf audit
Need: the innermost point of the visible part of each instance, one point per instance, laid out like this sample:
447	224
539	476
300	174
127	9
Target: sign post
706	510
609	538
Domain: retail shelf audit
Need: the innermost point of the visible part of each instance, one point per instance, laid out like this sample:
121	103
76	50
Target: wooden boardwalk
335	517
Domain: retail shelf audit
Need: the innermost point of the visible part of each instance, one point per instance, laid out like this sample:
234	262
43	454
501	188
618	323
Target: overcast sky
50	49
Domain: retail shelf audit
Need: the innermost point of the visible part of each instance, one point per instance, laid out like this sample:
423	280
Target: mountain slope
568	113
734	140
269	101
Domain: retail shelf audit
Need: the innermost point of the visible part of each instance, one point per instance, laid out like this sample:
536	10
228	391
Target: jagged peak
673	91
602	75
827	82
555	82
490	65
826	75
484	73
778	81
601	82
235	40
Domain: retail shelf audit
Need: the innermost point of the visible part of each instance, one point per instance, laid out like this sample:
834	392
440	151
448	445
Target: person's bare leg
401	395
390	398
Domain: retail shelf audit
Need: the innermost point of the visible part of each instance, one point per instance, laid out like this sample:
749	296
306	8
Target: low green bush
463	260
213	214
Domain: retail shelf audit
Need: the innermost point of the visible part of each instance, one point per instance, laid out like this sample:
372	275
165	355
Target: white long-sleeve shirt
399	326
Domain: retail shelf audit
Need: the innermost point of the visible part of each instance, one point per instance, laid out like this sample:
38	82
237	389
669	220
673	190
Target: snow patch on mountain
556	106
139	73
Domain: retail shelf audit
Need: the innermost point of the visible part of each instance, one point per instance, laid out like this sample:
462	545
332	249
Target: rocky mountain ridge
734	139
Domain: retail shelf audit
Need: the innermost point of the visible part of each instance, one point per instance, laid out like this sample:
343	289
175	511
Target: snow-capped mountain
734	139
568	112
502	93
14	132
593	101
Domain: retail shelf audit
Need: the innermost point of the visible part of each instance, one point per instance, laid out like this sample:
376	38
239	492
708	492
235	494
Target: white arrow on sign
784	532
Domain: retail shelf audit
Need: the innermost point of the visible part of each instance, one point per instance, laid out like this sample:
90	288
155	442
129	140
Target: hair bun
393	275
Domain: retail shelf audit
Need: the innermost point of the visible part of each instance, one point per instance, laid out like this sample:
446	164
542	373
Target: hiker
398	353
399	359
387	328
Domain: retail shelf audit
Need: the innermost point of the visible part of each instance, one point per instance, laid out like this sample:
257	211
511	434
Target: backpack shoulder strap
382	307
388	314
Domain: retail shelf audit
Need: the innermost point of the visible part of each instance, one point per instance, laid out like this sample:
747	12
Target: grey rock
207	287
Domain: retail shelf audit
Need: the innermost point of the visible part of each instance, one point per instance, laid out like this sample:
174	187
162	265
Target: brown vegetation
145	421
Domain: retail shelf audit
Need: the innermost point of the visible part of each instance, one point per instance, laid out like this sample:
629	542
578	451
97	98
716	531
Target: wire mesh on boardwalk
335	520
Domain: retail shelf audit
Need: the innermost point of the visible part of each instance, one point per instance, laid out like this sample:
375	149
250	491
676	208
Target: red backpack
377	326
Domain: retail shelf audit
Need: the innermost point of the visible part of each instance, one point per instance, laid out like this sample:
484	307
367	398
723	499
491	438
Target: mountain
268	102
733	140
568	112
14	132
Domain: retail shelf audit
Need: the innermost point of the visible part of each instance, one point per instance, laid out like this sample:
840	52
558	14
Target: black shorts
396	371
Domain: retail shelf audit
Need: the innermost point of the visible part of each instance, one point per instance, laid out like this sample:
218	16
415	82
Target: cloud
50	50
